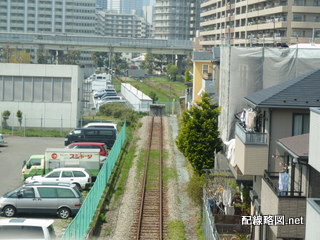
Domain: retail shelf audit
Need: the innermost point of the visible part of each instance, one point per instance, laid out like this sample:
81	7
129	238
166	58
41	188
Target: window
54	174
67	174
14	232
205	69
105	133
35	162
27	193
76	132
300	123
78	174
47	192
65	193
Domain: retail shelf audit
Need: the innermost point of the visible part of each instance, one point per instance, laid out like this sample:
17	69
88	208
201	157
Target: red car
94	145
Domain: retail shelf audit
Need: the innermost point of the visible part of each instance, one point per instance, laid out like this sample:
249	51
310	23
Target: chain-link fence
79	226
210	232
36	127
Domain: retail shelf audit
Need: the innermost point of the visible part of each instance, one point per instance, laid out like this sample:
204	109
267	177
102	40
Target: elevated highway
94	43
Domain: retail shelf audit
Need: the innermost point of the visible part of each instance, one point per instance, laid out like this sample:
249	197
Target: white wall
314	150
45	114
313	220
136	98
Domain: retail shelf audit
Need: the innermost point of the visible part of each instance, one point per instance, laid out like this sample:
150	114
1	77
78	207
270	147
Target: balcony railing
272	179
248	137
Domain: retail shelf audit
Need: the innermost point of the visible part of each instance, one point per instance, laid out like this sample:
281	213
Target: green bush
6	113
195	188
120	111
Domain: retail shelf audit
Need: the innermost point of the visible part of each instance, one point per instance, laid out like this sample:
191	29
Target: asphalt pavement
15	152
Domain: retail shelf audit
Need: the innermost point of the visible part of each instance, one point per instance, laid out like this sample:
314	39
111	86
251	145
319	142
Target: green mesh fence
79	226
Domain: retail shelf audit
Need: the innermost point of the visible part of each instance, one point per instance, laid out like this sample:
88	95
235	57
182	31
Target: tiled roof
296	145
300	92
202	56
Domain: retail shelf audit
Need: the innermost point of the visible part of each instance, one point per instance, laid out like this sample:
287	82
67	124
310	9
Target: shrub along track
151	214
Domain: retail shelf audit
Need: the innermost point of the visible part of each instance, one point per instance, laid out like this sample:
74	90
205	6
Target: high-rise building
102	4
114	5
132	7
263	22
122	25
47	16
176	19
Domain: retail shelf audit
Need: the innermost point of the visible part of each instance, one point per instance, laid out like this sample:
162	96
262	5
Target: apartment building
47	16
259	22
273	149
114	24
176	19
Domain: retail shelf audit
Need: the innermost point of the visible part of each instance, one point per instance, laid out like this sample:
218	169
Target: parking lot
12	156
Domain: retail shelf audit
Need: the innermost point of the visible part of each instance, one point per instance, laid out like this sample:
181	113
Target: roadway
95	43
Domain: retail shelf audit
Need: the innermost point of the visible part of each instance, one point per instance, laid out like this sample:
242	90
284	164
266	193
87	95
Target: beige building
259	22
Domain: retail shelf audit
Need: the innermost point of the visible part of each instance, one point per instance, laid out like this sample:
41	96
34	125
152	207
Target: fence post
12	127
24	128
41	125
61	125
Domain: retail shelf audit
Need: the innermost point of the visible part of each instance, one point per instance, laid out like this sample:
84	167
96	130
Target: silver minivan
51	198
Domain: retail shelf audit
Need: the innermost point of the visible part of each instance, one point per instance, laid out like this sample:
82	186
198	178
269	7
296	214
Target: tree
198	137
5	115
148	63
19	116
161	61
20	57
118	63
153	96
72	57
5	53
172	72
100	58
187	75
43	57
153	62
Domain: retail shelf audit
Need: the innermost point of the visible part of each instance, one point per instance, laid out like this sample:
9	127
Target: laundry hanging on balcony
230	152
250	119
283	183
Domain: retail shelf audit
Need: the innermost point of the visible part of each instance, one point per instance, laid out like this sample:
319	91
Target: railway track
151	209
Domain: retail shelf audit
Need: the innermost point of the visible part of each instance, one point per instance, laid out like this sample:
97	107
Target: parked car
104	135
106	92
101	125
2	139
91	145
62	199
35	163
78	176
109	99
27	229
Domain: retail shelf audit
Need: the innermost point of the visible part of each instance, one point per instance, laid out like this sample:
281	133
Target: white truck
62	157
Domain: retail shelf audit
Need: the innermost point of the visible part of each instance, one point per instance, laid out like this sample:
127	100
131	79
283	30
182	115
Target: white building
48	95
47	16
122	25
137	99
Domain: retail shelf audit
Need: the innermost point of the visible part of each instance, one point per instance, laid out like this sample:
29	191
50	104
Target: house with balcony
205	74
264	151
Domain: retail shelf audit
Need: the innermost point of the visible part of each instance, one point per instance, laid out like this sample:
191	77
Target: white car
78	176
2	139
27	229
101	125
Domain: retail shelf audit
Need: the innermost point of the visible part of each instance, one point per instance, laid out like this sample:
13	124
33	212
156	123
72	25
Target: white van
101	125
27	229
